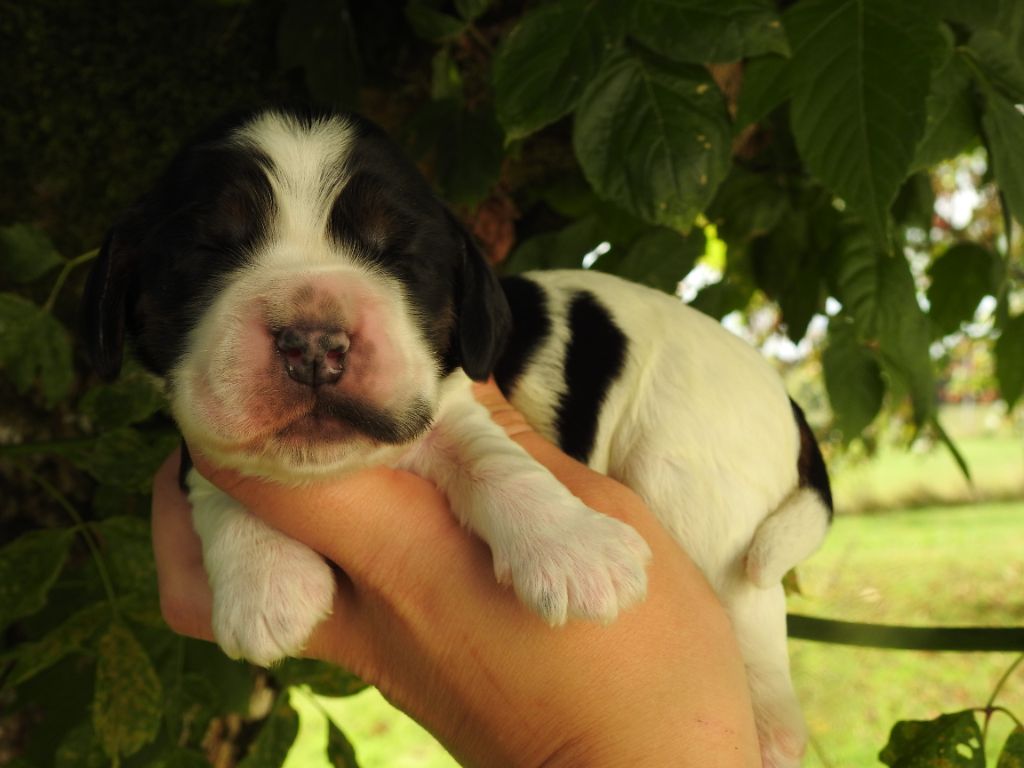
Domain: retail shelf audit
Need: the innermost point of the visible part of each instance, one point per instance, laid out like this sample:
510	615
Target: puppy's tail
796	529
787	536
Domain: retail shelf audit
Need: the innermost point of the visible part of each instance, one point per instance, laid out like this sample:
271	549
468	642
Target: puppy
314	309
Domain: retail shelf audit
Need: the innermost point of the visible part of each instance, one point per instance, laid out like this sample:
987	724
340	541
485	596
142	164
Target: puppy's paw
265	609
783	747
584	565
780	725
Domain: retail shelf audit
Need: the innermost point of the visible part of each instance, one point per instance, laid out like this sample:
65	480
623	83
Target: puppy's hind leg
759	619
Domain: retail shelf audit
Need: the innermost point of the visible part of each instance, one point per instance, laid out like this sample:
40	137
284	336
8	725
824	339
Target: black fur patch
387	215
205	217
376	424
531	325
811	464
594	359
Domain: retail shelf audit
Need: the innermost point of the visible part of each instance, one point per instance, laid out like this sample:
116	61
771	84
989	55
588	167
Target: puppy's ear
104	306
484	317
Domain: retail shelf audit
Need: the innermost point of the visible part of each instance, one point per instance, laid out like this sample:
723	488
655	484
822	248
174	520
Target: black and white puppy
313	309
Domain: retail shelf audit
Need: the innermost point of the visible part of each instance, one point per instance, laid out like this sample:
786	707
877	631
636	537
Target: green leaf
128	701
787	262
1010	360
26	253
340	753
128	551
70	636
766	84
127	458
549	58
1004	129
878	294
183	758
132	398
275	738
703	31
947	441
653	136
569	195
29	566
1012	755
855	124
232	680
951	124
80	749
463	146
445	80
776	257
142	607
721	298
659	258
318	37
995	53
431	24
960	278
190	700
113	501
469	155
915	203
563	249
972	12
34	346
949	741
323	679
746	205
853	379
904	336
471	9
802	299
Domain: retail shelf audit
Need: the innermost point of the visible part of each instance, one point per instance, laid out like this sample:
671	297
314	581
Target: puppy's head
300	289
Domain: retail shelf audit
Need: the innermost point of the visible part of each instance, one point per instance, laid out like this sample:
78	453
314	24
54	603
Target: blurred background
857	217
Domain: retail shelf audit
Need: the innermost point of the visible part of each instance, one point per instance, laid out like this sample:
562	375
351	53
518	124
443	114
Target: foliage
575	127
954	740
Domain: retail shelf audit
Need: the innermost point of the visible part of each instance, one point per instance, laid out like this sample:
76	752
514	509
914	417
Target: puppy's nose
313	356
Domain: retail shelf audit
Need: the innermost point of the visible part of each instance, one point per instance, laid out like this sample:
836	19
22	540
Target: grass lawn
961	565
382	736
926	565
953	566
898	478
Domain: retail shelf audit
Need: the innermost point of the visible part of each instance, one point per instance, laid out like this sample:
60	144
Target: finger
359	521
186	600
504	415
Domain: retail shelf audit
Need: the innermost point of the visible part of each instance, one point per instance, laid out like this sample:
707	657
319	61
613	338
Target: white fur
217	395
789	535
269	591
700	426
562	558
697	424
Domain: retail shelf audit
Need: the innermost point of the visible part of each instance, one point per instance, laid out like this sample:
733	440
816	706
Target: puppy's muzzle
313	356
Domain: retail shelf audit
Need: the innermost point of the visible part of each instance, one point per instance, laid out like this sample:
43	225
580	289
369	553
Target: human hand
419	615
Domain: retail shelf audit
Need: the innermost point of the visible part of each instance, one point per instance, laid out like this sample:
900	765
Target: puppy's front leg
269	591
563	558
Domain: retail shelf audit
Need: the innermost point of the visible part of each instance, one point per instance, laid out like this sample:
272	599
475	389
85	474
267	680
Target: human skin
419	615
